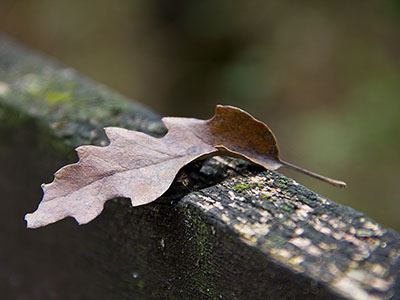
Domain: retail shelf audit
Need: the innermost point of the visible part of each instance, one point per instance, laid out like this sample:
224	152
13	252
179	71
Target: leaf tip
29	222
40	217
45	185
113	132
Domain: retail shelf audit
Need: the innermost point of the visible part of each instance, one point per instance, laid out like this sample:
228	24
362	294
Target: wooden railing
226	229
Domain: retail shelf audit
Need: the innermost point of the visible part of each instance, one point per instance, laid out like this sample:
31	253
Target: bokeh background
324	75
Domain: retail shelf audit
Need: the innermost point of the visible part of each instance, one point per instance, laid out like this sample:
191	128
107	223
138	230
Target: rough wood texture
225	230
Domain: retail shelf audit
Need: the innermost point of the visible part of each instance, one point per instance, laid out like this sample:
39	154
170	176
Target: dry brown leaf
140	167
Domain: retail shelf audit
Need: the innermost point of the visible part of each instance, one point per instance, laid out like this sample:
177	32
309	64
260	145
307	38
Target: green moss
57	97
275	240
287	206
282	184
59	94
246	186
141	284
199	234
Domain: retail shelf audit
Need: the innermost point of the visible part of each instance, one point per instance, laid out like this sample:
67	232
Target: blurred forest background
324	75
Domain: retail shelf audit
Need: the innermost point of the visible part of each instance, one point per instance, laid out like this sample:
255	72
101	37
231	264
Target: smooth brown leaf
140	167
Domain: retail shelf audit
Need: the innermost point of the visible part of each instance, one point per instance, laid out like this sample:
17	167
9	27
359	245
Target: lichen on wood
306	232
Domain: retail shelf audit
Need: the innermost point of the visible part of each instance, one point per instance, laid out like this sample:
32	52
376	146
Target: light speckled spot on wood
353	290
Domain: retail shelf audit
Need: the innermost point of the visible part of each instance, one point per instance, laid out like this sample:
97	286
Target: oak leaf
141	167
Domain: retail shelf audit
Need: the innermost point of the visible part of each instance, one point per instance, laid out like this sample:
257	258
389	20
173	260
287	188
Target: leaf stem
334	182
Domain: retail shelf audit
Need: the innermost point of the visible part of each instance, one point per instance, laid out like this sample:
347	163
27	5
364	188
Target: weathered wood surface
225	229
